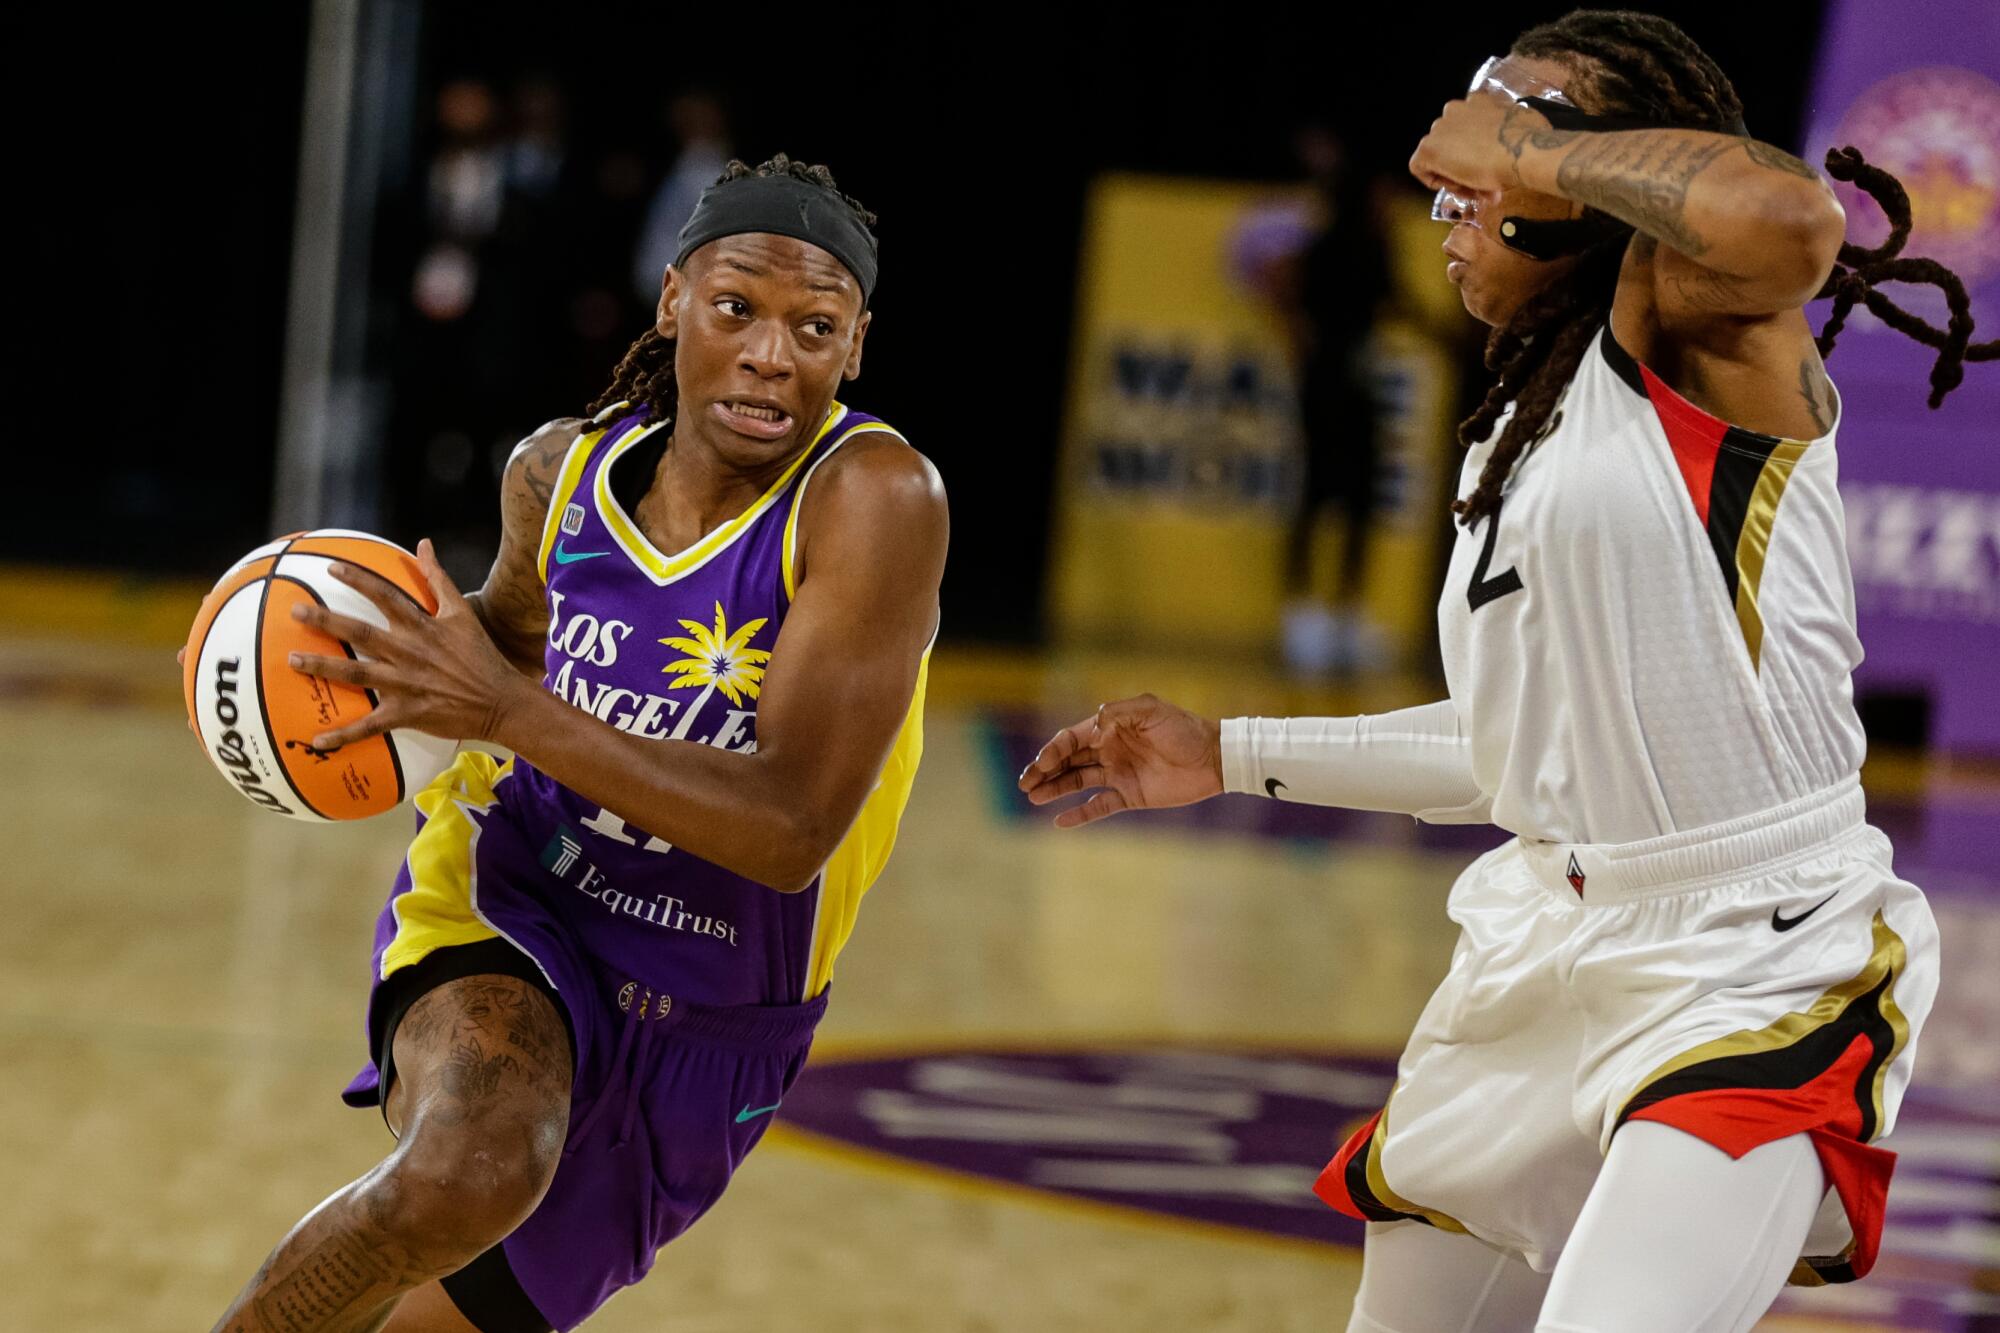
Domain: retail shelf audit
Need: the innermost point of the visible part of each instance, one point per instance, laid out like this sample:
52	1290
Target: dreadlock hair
1857	271
1643	66
645	376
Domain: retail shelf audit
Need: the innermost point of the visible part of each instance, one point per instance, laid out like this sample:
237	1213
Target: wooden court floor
181	979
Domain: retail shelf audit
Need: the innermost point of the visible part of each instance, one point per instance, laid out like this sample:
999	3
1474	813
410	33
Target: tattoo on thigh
486	1004
481	1033
534	1045
471	1075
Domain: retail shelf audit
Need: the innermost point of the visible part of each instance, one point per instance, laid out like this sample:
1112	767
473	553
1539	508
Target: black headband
783	206
1555	238
1563	116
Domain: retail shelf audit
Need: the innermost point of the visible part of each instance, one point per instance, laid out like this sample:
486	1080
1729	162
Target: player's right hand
1144	753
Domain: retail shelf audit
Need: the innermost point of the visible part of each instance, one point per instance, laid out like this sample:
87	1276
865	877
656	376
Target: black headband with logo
1545	239
783	206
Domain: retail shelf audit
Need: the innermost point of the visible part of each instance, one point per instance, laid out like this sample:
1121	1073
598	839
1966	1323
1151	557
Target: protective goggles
1503	75
1544	238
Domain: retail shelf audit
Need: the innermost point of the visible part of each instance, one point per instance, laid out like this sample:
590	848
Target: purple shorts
668	1099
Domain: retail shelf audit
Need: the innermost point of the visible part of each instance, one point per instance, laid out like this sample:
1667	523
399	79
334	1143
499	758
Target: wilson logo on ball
256	717
229	749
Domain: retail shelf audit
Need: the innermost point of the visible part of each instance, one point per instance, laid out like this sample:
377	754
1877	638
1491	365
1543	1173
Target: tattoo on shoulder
1766	155
1642	177
1817	390
536	463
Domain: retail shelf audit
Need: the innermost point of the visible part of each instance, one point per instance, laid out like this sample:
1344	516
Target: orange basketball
256	716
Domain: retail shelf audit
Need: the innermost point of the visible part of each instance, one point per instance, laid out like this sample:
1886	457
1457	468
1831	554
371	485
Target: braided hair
645	375
1857	271
1643	66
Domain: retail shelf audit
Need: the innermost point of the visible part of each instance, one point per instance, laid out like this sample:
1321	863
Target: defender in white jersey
1686	995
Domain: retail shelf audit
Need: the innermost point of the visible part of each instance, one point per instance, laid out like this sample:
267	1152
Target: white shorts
1743	982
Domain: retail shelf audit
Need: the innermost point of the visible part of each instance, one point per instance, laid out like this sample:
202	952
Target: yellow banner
1181	455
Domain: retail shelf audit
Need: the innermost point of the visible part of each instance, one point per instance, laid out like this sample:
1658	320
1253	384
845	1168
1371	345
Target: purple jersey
673	647
691	993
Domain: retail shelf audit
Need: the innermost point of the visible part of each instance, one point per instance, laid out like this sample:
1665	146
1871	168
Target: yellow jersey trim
566	482
789	557
441	907
663	569
858	861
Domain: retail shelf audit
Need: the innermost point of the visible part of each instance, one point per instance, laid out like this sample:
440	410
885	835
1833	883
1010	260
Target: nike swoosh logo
1783	923
571	557
1271	787
751	1113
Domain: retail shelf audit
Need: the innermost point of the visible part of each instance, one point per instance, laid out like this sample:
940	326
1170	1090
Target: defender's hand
1145	753
438	673
1474	145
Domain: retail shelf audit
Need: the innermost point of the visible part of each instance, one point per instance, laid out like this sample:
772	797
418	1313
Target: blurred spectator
1340	280
539	148
464	189
489	358
702	131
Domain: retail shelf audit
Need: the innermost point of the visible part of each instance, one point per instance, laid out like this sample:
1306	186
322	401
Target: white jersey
1656	631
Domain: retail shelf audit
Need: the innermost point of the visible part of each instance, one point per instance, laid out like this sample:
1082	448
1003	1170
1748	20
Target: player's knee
464	1193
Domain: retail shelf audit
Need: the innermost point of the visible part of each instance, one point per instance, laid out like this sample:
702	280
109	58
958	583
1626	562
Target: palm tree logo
716	660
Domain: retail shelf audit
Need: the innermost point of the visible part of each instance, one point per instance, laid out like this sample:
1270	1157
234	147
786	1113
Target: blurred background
1161	303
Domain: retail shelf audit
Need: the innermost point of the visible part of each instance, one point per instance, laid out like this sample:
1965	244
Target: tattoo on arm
1817	390
511	605
1766	155
1708	291
536	476
1642	177
1523	128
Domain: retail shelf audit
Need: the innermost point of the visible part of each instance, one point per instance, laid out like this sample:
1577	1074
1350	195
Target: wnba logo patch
572	520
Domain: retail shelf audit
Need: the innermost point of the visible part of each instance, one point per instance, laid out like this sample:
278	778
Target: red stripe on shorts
1739	1119
1332	1183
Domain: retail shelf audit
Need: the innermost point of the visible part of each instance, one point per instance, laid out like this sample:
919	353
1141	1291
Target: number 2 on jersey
1481	589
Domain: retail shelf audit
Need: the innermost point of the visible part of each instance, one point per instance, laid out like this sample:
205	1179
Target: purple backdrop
1916	87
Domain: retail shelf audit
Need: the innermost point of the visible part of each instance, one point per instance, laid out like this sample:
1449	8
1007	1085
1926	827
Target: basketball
256	717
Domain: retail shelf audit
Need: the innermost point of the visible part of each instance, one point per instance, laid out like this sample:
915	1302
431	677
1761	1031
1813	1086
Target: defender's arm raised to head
1752	229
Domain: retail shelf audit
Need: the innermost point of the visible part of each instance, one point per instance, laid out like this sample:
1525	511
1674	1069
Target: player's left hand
1471	147
438	673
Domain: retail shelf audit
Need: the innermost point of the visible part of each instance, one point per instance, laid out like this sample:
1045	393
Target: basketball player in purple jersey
705	641
1686	995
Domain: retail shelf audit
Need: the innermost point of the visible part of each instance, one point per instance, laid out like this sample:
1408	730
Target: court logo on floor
1225	1137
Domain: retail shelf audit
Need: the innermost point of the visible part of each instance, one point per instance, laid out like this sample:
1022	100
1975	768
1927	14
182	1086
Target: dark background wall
154	290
